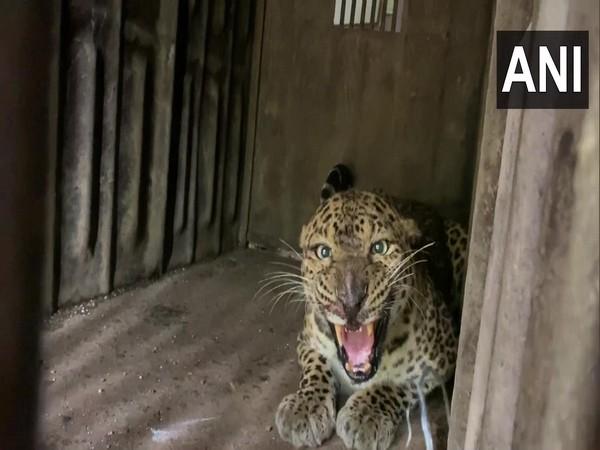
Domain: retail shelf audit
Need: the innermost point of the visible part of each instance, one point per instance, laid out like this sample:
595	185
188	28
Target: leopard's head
356	257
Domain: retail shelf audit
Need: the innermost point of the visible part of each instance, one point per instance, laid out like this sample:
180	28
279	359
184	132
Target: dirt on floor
191	361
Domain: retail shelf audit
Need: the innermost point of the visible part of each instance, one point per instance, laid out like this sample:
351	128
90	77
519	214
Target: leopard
382	281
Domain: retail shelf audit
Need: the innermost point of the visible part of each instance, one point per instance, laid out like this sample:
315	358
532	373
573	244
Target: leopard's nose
352	298
351	316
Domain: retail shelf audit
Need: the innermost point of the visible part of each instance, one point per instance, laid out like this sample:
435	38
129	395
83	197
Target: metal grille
380	15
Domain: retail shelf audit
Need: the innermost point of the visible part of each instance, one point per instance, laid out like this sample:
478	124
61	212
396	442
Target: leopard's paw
361	426
306	418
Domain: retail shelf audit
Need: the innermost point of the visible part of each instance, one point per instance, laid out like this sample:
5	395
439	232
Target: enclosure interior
187	132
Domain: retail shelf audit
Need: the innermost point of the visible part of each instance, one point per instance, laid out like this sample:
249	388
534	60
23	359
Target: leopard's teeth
339	332
370	328
366	367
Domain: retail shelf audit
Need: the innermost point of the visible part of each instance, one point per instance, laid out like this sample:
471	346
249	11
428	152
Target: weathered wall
507	15
528	375
87	144
402	109
153	105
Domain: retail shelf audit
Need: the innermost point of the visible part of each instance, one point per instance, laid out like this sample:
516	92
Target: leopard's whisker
286	291
269	283
294	251
274	278
282	276
418	292
404	261
284	264
410	298
284	272
417	306
272	288
400	277
391	280
279	273
412	254
281	295
400	268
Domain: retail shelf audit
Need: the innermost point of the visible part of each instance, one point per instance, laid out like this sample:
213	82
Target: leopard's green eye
323	252
379	247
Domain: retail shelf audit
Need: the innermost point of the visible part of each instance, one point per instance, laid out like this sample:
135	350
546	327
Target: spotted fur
457	241
418	341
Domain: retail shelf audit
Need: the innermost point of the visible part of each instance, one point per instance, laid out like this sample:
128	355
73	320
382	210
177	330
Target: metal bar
383	22
397	17
374	13
336	12
367	11
343	13
361	12
352	10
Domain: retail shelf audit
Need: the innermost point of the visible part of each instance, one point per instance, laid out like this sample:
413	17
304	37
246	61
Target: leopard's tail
457	242
338	179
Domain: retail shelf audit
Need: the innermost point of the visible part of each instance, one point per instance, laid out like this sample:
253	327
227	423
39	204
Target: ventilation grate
380	15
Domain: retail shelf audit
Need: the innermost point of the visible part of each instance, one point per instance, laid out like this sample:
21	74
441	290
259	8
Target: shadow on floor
189	362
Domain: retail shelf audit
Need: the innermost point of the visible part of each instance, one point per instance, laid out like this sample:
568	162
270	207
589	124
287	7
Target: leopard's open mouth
359	349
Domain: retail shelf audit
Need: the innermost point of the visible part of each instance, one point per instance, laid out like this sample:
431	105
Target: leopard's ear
338	179
410	231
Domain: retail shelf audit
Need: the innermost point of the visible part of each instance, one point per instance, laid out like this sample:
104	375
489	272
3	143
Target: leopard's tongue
358	344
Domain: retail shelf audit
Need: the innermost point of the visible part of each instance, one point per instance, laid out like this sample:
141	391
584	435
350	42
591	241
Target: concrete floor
187	362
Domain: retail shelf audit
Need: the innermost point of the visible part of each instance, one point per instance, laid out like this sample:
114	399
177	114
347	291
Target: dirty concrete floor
188	362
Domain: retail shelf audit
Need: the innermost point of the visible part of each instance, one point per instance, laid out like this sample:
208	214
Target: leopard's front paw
306	418
362	426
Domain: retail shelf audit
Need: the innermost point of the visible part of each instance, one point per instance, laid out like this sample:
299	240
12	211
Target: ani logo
542	69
